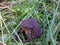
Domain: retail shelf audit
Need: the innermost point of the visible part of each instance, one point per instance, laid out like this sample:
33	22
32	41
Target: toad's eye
31	28
25	27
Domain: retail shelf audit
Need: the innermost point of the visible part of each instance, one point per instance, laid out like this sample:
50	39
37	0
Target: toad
32	29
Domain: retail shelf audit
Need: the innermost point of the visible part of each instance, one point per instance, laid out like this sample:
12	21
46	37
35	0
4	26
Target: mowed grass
47	12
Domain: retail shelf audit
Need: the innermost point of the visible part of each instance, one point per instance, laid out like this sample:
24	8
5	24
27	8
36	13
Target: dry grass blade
2	43
6	5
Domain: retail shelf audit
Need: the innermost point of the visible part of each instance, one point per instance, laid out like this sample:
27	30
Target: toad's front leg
29	36
29	39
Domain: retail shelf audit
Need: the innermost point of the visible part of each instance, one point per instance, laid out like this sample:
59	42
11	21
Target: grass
47	12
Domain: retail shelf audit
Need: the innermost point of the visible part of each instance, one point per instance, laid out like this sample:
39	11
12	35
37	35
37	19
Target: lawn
47	12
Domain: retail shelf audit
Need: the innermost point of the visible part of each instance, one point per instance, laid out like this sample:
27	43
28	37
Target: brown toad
32	29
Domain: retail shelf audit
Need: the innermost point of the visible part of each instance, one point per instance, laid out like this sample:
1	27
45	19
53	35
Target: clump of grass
45	11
